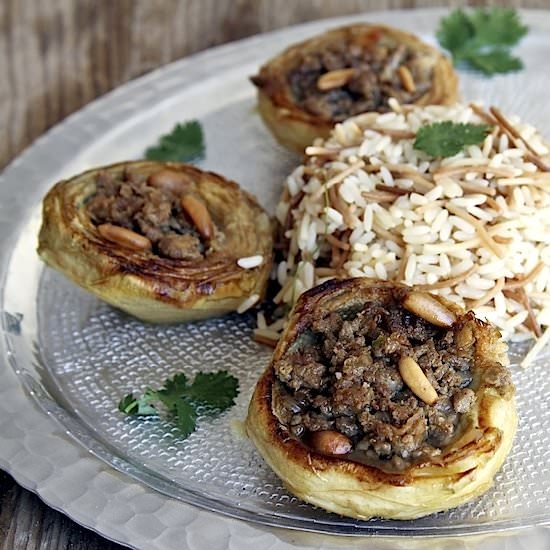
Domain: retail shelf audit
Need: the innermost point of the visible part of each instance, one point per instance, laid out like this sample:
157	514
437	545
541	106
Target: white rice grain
250	262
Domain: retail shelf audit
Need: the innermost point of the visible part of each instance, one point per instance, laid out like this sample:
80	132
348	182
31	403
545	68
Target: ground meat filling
342	374
130	201
374	74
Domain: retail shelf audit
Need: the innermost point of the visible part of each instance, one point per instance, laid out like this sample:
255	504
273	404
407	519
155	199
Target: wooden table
58	55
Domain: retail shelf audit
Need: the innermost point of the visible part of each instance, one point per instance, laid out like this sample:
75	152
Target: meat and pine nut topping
161	213
392	383
344	79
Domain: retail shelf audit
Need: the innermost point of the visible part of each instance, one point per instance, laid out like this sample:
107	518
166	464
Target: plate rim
59	131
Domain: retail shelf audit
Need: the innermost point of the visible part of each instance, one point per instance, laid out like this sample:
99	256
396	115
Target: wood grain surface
58	55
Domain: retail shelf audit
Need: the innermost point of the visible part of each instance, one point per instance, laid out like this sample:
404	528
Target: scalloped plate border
42	456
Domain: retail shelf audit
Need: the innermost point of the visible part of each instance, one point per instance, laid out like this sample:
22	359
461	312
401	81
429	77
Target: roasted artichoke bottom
150	287
353	489
294	127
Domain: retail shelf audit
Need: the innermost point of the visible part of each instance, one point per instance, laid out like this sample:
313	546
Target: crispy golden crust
139	282
296	128
466	468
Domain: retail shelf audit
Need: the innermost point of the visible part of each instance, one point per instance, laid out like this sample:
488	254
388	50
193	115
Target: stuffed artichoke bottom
382	401
164	242
309	87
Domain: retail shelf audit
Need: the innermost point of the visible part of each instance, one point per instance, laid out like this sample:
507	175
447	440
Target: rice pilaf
474	227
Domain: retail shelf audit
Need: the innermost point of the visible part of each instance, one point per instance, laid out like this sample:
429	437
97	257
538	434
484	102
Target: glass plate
78	356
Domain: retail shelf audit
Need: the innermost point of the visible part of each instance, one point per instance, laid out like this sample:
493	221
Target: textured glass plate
78	356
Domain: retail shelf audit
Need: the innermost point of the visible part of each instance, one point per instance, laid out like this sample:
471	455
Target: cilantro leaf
455	30
185	417
173	389
498	61
445	139
180	400
139	407
481	38
215	389
497	26
185	143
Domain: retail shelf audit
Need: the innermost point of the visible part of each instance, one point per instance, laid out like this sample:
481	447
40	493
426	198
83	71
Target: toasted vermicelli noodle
474	227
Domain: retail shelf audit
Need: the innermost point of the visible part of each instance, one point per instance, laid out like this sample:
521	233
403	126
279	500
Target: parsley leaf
445	139
181	400
482	38
185	143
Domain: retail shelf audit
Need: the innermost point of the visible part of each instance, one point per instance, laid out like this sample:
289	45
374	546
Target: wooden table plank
26	523
58	55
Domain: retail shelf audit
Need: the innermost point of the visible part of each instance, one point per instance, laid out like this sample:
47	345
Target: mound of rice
474	227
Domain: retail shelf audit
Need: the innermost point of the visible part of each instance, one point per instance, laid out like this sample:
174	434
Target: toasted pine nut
197	211
170	180
330	442
335	79
124	237
429	308
415	378
406	79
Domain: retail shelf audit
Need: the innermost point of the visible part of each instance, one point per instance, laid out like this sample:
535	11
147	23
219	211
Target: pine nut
429	308
171	181
124	237
197	211
416	380
335	79
330	442
406	79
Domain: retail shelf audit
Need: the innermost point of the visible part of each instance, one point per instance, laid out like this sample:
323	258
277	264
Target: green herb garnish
445	139
211	392
482	38
185	143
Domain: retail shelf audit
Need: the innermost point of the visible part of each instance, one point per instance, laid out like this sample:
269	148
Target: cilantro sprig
482	38
209	393
445	139
185	143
